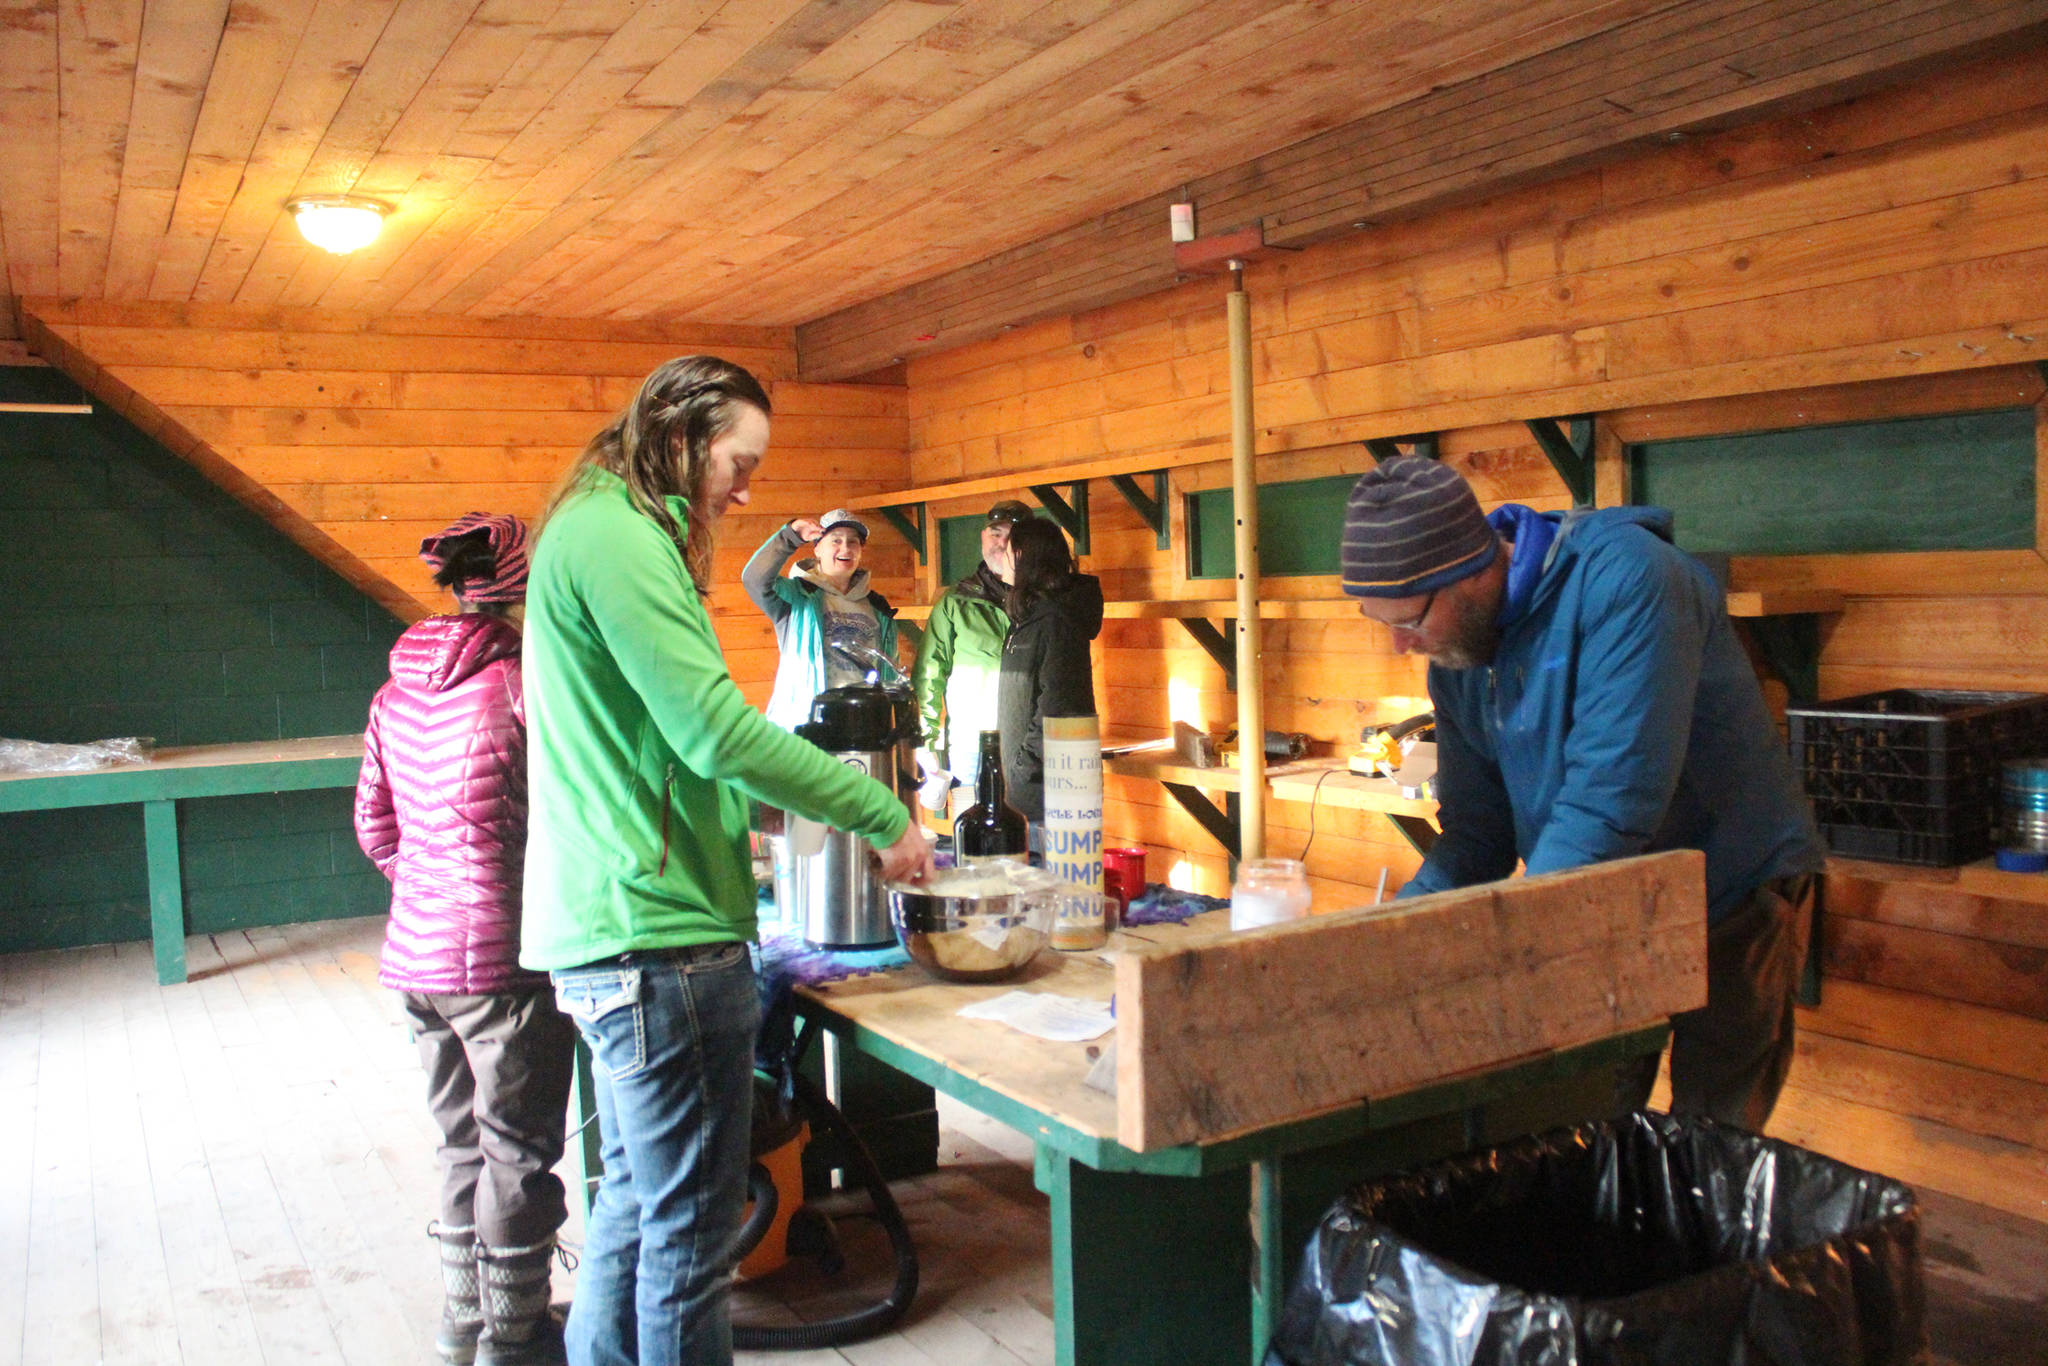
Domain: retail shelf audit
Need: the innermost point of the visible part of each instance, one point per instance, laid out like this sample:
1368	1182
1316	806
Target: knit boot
462	1316
518	1330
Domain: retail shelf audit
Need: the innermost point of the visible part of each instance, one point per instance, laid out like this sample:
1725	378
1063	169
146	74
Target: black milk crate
1910	775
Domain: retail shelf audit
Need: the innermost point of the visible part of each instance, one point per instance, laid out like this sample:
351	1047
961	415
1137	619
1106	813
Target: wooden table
1182	1254
172	774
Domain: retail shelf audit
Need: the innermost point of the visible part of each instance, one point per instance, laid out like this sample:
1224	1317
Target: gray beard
1473	646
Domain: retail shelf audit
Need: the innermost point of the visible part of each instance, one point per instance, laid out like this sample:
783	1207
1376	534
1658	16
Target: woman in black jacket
1054	613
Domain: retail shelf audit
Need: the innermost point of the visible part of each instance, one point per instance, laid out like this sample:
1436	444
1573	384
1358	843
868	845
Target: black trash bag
1648	1239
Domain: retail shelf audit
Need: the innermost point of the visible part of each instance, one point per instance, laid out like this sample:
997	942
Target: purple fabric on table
785	960
1162	905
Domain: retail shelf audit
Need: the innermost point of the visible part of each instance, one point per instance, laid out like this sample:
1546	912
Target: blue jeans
671	1037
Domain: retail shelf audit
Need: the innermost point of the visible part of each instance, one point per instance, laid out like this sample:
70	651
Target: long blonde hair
660	445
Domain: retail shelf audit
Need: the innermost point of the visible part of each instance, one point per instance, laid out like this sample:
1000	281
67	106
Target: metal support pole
1244	485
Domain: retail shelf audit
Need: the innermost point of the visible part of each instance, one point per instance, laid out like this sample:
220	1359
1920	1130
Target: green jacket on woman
642	752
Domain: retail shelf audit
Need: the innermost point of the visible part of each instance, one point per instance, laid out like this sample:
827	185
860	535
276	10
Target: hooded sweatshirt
1047	671
822	633
1619	716
441	806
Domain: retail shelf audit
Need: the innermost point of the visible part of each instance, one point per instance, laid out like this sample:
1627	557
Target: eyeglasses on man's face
1414	623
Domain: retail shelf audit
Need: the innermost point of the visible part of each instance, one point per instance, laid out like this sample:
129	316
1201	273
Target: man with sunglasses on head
1593	703
960	661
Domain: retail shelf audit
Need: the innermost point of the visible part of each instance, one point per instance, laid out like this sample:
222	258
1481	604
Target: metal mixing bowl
964	927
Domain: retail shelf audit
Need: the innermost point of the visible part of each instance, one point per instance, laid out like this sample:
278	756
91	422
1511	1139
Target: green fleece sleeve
645	609
934	666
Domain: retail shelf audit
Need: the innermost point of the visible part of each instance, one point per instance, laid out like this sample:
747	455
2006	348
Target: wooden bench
174	774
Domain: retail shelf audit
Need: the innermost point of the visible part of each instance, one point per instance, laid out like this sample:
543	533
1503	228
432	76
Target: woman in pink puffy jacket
441	810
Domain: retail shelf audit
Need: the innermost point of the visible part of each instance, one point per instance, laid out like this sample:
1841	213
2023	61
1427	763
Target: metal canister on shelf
2023	804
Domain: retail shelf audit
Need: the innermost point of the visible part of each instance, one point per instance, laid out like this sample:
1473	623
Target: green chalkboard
1963	482
1301	528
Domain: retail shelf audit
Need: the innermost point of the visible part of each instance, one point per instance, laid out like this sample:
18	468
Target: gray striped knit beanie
1412	526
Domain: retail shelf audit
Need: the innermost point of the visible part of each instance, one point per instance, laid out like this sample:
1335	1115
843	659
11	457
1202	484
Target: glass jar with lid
1268	891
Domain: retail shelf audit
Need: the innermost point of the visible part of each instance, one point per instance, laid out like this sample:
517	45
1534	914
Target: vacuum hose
862	1323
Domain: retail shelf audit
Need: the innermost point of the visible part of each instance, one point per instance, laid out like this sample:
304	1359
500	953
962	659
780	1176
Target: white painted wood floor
241	1169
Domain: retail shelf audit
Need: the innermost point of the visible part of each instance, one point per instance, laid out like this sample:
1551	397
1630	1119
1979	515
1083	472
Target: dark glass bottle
991	828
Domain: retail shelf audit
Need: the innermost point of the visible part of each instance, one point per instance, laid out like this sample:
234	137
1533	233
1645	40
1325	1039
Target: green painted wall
136	598
1963	482
1301	528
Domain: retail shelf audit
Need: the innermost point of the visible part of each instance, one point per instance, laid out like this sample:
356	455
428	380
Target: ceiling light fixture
339	223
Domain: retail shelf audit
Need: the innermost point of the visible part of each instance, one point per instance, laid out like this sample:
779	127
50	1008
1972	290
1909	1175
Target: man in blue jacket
1592	702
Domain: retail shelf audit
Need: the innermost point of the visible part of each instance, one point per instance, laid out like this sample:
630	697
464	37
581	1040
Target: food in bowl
978	924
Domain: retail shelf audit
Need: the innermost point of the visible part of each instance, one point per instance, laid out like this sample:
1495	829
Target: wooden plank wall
374	433
1877	258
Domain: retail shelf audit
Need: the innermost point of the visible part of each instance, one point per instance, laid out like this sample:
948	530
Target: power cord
1314	792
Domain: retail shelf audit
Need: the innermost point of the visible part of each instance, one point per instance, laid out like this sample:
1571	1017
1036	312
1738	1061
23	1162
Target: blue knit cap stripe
1412	525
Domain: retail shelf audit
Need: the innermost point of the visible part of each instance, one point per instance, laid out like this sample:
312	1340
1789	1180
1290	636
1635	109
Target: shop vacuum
834	893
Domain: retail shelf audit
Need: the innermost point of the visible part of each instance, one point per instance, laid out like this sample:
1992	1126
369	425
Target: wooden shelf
1773	602
1196	609
1010	481
1357	792
1982	878
1781	602
1296	781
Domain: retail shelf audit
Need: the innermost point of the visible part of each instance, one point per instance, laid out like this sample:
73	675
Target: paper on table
1063	1019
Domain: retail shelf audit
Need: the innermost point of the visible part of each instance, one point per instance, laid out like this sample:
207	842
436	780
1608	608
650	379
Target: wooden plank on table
1236	1032
921	1014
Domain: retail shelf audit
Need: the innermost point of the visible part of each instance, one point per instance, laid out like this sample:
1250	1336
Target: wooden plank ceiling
862	166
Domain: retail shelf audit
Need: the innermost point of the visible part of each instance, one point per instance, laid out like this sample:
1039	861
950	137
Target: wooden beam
1686	68
1373	1001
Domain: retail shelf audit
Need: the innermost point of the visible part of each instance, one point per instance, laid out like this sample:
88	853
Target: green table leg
166	889
1269	1255
1147	1270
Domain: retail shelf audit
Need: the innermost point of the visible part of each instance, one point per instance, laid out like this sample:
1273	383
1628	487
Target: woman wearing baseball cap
829	624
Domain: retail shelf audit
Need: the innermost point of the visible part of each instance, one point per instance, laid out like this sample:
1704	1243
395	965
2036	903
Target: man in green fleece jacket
960	658
639	895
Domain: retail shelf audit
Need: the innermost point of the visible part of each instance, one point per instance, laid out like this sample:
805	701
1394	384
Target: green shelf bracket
1385	448
1571	456
1220	823
1151	507
1790	646
1217	643
1070	511
911	527
1417	830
